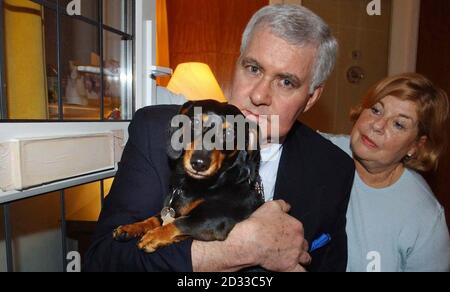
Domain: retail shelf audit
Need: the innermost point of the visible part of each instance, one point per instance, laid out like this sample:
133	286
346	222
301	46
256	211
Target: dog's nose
199	164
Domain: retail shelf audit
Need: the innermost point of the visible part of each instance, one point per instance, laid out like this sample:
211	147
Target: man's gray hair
298	26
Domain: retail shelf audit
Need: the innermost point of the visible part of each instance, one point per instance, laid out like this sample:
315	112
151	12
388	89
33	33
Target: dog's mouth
197	175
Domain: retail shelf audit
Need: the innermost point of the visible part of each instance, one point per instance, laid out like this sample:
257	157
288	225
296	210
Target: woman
394	222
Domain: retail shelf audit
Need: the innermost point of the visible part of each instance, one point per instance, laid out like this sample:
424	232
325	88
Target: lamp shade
195	81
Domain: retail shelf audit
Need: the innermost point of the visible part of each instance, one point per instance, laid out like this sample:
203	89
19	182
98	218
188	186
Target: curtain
162	38
25	62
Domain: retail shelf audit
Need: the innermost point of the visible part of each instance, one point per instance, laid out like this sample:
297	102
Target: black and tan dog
211	190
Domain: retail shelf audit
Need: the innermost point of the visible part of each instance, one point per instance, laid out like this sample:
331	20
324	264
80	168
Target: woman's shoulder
420	196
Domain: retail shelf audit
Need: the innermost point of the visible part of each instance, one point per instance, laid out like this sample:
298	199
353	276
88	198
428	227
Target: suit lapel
297	182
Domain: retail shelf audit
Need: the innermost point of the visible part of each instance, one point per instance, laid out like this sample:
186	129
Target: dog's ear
184	109
253	141
248	161
175	134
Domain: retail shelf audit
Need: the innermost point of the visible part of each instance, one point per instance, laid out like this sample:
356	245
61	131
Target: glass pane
118	77
80	63
51	57
24	61
2	242
83	204
108	184
36	233
32	74
118	14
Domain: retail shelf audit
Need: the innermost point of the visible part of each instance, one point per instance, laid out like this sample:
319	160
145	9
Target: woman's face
386	133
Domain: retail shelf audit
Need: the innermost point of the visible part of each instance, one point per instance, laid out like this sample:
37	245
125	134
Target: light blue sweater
400	228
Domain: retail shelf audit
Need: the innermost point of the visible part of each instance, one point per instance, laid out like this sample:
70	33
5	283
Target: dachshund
211	188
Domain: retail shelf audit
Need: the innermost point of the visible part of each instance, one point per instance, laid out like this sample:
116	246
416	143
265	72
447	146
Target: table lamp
195	81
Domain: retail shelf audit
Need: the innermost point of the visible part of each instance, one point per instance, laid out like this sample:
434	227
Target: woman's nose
260	95
379	125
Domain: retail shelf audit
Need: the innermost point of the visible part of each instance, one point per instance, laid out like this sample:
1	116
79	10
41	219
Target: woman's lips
369	143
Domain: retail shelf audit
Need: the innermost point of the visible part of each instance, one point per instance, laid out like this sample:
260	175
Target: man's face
273	77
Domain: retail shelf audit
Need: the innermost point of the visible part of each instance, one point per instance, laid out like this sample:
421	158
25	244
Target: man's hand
269	238
278	239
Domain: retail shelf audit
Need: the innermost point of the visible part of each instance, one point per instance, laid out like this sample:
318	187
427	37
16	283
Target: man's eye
287	83
253	69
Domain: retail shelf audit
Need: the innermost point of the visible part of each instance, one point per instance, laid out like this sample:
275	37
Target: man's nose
260	95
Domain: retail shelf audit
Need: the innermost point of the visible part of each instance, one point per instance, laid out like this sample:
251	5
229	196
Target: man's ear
314	98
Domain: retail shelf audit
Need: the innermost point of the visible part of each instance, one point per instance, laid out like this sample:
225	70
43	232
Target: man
287	54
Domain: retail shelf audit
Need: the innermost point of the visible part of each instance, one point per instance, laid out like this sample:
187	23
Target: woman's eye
375	110
399	126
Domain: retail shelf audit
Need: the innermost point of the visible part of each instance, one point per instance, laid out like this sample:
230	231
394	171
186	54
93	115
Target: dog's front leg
128	232
160	237
197	227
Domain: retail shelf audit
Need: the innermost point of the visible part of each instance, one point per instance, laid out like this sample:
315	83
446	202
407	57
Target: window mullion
59	61
3	101
102	69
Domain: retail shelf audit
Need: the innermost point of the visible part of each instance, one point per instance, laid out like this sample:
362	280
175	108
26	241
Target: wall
355	31
404	36
211	34
434	61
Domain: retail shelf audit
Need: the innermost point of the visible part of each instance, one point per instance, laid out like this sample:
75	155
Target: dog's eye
196	121
229	135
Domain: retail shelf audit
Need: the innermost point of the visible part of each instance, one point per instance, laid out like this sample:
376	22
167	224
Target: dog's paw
159	237
149	242
127	232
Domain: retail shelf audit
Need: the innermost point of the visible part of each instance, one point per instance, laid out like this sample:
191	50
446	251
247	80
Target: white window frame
145	94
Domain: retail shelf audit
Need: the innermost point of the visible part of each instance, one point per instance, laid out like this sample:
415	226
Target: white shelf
10	196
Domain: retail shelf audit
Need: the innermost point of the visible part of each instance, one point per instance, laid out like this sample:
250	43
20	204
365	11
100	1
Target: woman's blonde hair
433	112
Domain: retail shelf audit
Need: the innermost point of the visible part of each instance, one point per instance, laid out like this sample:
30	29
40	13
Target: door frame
404	40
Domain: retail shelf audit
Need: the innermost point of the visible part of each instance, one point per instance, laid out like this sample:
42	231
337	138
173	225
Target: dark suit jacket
314	176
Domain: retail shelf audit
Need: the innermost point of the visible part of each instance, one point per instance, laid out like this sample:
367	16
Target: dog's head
214	141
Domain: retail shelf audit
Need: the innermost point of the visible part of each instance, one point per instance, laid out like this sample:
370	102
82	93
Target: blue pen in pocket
320	242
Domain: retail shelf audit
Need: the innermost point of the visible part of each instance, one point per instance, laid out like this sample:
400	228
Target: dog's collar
168	213
259	187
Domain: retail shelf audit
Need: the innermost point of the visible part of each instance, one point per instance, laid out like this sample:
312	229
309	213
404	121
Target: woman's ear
418	145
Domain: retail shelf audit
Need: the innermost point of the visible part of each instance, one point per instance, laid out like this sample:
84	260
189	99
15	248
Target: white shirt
270	160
